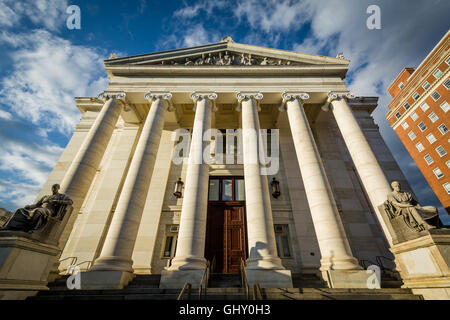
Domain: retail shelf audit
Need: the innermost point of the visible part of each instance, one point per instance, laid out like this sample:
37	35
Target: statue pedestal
424	264
24	265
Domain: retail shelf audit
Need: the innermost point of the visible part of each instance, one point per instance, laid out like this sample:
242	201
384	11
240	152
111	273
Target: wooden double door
226	236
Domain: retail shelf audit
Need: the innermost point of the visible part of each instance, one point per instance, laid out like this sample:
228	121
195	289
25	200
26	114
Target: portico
332	182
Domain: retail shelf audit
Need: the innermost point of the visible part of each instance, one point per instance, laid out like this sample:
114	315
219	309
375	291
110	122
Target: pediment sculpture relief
227	59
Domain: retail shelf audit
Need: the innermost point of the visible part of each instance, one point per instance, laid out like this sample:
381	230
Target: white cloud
188	12
5	115
50	14
271	15
37	93
48	72
197	35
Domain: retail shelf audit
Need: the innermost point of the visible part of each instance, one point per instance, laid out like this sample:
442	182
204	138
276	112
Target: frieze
228	59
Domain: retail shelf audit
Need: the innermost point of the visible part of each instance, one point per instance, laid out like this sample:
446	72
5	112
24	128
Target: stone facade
331	182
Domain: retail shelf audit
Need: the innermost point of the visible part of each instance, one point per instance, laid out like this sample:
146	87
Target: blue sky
44	65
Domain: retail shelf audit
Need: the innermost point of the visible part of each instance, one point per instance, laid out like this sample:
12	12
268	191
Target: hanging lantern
178	187
275	185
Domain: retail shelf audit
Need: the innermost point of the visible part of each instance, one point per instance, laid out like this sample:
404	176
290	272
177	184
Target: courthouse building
418	113
312	210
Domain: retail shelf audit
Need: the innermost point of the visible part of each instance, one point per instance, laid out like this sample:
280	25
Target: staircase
228	287
224	280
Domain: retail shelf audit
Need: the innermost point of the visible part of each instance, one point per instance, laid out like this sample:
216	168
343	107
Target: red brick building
419	114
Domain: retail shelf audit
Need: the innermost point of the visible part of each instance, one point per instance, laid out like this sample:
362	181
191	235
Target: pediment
226	53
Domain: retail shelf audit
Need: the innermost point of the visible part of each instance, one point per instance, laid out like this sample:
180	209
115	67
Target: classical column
263	257
83	167
369	170
82	170
191	236
334	247
189	262
119	243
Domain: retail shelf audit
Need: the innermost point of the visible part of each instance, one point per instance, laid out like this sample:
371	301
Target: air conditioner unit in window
173	228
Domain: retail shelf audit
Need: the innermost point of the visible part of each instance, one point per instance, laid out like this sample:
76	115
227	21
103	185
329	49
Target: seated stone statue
401	203
33	217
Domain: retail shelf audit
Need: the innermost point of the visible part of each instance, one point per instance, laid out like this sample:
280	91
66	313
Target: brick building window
416	96
433	117
431	138
406	106
445	106
414	116
422	126
448	163
428	159
401	85
411	135
437	73
438	173
435	95
425	85
420	146
405	125
398	115
424	106
443	128
447	84
441	151
447	187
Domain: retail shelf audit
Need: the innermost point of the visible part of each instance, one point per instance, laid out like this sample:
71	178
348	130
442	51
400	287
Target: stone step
219	280
231	294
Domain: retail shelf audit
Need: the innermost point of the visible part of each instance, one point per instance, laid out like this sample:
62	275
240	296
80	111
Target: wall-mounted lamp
178	187
275	185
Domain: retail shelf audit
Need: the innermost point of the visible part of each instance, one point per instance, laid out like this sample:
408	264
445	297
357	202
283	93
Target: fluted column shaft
333	242
369	170
191	236
260	231
119	243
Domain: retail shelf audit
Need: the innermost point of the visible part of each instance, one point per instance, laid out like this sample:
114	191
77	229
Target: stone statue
401	203
33	217
227	59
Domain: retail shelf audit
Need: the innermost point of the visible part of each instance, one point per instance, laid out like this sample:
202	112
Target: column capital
289	96
198	96
165	96
242	96
333	95
119	96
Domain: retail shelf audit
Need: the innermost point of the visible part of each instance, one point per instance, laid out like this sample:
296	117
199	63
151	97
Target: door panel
235	238
225	227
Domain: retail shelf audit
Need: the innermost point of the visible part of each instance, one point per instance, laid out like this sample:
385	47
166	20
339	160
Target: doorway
226	229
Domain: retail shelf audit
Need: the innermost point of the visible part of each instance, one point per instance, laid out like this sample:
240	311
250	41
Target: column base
351	279
177	278
99	280
271	278
188	263
342	263
113	263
